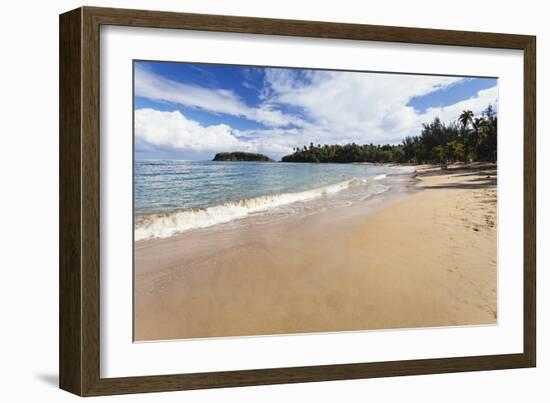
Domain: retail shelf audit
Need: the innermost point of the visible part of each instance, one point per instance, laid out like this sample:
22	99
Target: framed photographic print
248	201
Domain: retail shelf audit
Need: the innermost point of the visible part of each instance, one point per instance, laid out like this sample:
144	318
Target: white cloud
174	131
153	86
476	104
365	107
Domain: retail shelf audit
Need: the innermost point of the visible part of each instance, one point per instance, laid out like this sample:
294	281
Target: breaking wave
168	224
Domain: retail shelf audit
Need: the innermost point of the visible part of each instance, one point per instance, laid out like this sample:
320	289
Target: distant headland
241	156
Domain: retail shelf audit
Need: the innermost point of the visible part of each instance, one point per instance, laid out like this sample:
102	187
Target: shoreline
336	272
161	225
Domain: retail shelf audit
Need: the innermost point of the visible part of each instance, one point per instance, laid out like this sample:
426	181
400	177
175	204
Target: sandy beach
422	258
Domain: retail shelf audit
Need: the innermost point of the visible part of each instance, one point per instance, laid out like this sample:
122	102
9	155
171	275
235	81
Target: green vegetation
241	156
467	139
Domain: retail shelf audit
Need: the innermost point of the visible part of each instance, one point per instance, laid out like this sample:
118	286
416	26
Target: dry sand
425	259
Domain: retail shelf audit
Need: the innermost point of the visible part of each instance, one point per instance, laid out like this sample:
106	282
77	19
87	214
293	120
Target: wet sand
422	259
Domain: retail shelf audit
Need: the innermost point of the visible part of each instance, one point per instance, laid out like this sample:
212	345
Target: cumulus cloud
371	107
476	104
174	130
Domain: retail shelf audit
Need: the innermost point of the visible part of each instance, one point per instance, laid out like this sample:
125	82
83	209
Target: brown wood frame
79	201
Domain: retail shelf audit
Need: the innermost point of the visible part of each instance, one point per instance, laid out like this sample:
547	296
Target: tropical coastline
282	273
277	200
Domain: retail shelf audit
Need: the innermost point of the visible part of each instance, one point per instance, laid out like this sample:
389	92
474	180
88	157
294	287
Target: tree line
469	138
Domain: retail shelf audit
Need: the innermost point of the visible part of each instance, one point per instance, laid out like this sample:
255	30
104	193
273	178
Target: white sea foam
166	225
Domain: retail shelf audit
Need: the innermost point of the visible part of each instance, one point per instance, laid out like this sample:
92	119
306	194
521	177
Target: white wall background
29	199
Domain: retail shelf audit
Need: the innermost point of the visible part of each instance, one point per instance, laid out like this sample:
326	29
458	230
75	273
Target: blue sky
192	111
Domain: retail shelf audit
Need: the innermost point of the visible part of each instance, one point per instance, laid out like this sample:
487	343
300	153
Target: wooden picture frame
79	348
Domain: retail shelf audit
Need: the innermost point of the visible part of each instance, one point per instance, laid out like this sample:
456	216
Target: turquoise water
171	196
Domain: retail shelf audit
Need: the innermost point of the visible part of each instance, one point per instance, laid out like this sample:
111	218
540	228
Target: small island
242	156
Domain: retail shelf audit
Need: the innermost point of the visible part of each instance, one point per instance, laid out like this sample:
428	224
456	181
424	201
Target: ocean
174	196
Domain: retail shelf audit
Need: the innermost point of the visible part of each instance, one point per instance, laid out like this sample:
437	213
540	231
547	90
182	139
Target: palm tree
465	118
478	124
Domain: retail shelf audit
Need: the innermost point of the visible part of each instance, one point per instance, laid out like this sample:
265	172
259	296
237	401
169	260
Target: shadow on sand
484	177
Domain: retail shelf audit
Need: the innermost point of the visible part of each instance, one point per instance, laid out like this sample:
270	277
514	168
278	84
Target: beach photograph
273	201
